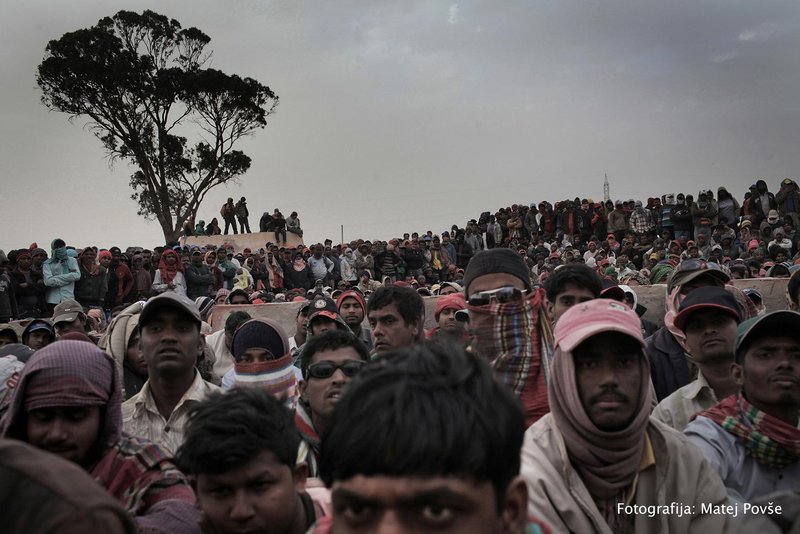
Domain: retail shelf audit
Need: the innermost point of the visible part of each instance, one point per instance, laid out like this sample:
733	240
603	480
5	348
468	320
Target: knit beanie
455	301
350	293
497	260
260	333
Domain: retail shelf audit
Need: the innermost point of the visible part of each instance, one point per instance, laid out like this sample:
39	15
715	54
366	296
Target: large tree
140	81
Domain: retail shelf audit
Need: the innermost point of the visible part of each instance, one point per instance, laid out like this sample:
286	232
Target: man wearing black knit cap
510	325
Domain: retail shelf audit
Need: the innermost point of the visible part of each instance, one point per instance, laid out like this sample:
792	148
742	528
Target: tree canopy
140	81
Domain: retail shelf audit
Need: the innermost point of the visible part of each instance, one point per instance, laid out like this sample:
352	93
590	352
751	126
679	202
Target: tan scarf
607	462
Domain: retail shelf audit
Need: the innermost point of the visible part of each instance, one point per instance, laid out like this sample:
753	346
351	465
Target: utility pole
606	190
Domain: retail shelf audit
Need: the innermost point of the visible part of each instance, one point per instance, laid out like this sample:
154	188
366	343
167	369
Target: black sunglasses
501	295
326	369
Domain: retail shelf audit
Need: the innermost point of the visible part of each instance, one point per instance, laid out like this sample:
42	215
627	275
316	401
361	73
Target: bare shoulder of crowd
501	375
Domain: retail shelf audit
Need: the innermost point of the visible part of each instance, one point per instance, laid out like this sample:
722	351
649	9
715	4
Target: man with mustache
751	438
67	402
598	459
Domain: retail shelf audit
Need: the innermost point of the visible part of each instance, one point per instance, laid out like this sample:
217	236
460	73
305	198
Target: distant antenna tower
606	190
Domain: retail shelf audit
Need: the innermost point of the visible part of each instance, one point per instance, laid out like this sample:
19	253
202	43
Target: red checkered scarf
772	442
517	340
67	373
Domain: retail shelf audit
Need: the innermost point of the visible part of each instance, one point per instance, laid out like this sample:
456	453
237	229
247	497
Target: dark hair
226	431
426	410
58	243
410	305
793	286
331	340
576	274
235	320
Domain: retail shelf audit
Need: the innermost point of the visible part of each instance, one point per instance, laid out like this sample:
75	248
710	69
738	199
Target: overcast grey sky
414	115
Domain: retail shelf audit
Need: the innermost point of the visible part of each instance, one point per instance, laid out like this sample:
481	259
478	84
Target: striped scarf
516	338
276	377
772	442
303	422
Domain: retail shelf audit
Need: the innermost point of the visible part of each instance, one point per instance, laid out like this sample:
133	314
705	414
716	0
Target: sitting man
708	317
67	402
240	451
597	461
751	438
396	316
426	441
329	362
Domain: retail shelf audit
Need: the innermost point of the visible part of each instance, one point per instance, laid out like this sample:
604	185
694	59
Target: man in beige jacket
598	462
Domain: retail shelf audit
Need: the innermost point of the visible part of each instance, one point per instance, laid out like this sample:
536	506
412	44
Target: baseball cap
593	317
692	268
170	299
611	290
67	311
323	307
774	323
704	298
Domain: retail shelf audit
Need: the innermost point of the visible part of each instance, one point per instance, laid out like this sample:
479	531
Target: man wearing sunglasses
329	361
509	325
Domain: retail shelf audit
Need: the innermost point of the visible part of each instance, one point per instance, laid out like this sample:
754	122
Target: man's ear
514	514
548	306
300	476
737	372
302	385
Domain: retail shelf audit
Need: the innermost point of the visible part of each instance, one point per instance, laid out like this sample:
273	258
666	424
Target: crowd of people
540	401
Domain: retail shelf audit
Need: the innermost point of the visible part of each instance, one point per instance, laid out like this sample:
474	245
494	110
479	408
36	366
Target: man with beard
67	402
708	317
510	325
751	438
329	362
353	309
598	457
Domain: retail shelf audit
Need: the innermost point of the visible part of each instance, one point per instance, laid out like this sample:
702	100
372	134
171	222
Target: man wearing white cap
598	462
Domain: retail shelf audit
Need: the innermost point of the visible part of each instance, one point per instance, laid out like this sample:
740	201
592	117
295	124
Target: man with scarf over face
68	402
60	273
510	325
598	461
752	438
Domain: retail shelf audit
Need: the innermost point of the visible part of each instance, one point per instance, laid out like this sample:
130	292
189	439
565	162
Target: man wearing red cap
598	462
353	308
445	315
